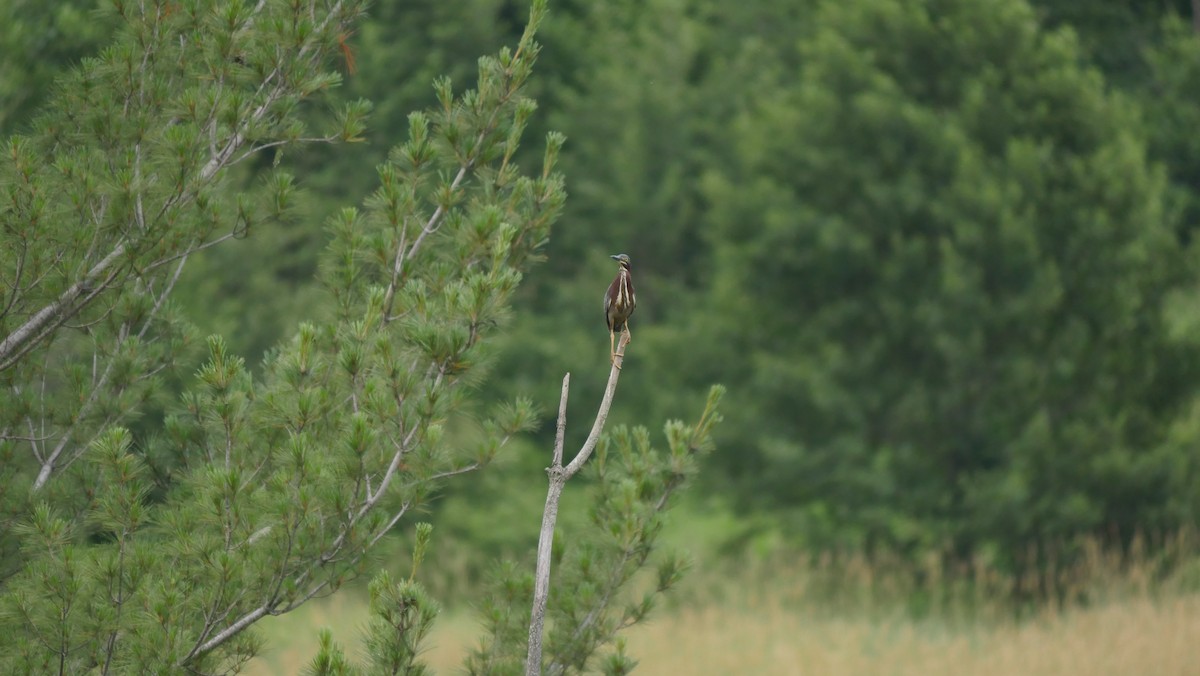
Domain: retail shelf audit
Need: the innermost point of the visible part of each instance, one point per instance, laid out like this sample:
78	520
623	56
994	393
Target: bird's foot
613	359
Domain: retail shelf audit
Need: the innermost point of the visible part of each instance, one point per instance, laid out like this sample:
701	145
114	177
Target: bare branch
560	432
602	415
558	479
541	585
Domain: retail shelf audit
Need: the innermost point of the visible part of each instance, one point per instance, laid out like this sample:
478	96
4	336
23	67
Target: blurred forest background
942	253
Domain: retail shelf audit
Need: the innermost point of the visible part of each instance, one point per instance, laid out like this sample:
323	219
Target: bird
619	303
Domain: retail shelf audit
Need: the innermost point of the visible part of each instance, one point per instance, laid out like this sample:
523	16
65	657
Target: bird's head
622	259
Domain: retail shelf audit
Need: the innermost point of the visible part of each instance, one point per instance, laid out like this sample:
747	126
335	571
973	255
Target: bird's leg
612	336
628	334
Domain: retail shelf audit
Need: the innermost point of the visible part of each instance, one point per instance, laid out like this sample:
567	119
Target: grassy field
1135	637
716	629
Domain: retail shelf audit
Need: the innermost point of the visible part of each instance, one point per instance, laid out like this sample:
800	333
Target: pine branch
148	226
24	338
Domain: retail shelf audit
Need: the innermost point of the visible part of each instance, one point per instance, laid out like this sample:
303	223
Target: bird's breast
627	298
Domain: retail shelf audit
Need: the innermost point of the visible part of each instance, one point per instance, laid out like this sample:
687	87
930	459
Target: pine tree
956	257
158	551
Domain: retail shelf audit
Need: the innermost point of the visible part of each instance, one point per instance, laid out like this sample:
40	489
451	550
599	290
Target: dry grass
851	615
292	638
1134	636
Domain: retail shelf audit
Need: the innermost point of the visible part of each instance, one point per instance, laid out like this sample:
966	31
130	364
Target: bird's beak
614	257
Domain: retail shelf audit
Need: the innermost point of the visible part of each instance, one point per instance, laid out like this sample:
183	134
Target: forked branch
559	476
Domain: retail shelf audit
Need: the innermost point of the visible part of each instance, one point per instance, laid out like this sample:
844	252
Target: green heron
619	303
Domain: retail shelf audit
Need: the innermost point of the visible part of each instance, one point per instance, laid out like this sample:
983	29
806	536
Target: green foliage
397	52
270	490
1170	95
505	618
121	179
966	222
940	250
79	599
330	659
934	248
1114	34
38	41
401	616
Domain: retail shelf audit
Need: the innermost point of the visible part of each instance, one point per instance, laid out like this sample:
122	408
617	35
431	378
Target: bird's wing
610	293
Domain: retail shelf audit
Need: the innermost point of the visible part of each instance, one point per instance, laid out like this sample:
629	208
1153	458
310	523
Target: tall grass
1101	613
1134	636
975	589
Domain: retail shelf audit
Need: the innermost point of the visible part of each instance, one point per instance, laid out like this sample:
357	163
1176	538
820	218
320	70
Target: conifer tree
135	545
